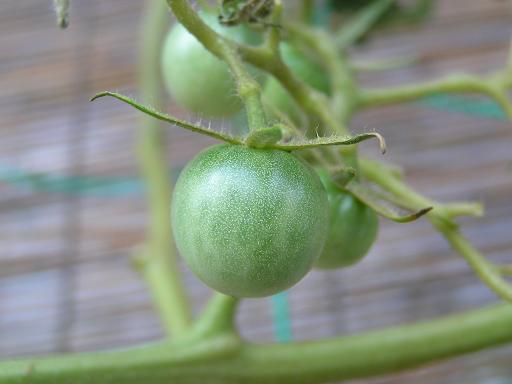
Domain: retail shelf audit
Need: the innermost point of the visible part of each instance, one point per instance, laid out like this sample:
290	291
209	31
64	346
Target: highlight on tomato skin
194	77
353	228
249	222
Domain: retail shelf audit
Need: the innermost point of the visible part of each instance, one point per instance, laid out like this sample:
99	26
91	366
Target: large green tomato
249	222
197	79
352	228
306	70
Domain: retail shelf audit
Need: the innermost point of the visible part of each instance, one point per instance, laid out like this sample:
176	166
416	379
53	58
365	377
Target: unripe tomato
352	228
305	69
249	222
197	79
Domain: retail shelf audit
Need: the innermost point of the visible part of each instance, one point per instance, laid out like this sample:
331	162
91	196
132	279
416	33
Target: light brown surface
66	283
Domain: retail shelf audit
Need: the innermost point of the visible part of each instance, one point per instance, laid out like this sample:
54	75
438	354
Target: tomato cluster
252	222
195	78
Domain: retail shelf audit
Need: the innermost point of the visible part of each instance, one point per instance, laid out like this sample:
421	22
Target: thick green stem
159	261
223	359
264	58
219	316
247	87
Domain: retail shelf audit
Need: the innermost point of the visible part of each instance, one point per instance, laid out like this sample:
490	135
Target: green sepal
341	176
267	135
304	143
264	138
171	119
381	206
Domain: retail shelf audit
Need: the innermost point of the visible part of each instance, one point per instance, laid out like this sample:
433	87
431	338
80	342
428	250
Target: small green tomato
306	70
197	80
352	228
249	222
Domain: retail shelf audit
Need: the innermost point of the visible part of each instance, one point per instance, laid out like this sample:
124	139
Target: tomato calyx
343	179
341	176
270	137
383	205
264	138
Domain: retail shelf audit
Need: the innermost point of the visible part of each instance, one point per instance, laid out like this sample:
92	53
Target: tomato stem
442	219
159	266
460	83
222	357
248	89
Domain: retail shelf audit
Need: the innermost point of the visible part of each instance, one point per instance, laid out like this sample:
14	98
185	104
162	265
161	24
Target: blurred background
73	208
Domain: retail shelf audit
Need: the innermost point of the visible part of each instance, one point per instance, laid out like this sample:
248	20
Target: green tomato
352	228
197	80
306	70
249	222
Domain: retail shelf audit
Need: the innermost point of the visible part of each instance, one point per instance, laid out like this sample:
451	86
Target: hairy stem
248	88
264	58
159	262
223	359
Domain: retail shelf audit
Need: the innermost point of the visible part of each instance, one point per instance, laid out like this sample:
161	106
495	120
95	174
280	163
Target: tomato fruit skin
353	228
249	222
195	78
306	70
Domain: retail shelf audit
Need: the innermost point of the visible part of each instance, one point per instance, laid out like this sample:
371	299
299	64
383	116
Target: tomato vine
210	347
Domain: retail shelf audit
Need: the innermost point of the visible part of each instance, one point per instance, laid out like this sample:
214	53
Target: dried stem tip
62	12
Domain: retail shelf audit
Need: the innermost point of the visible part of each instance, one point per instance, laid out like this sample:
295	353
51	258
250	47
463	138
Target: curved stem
274	33
248	88
443	222
262	57
344	86
485	270
223	359
160	266
362	22
219	316
453	84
